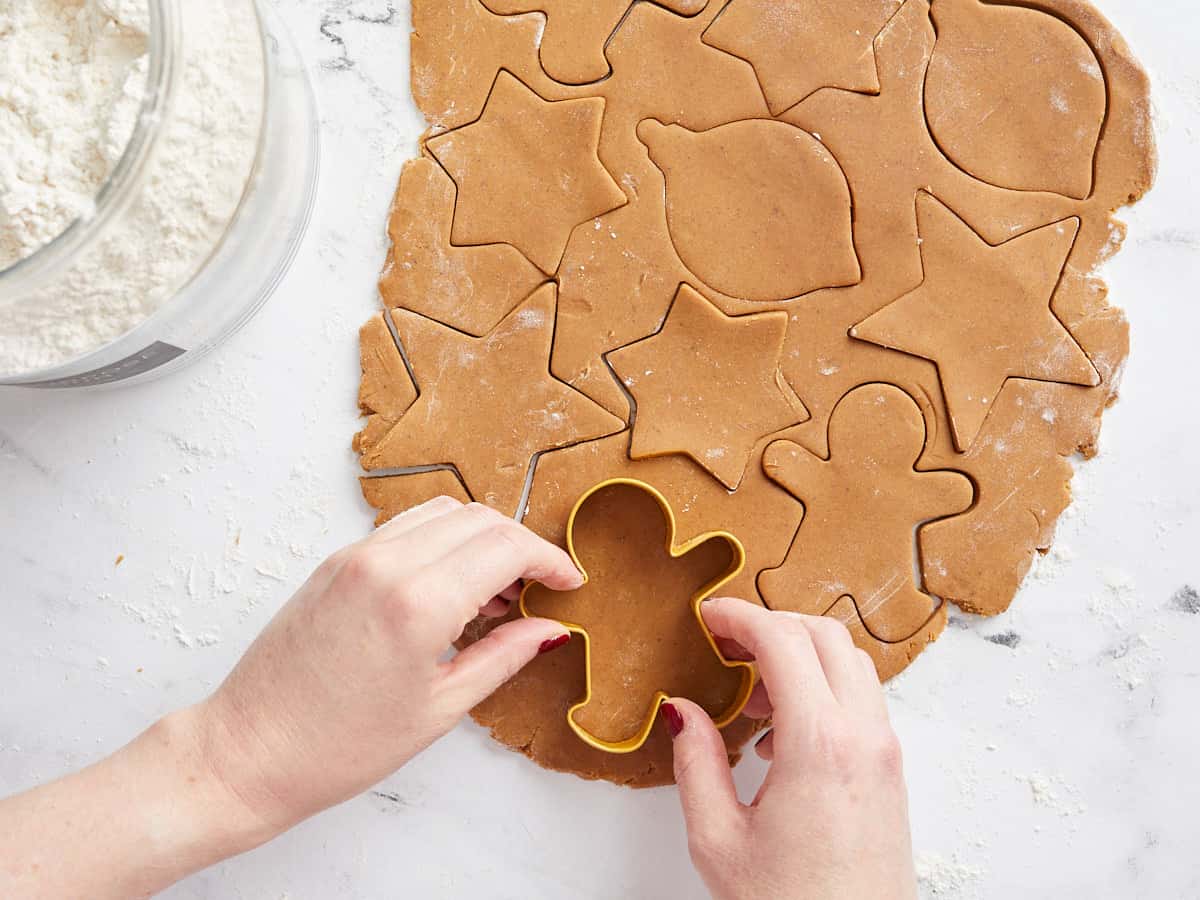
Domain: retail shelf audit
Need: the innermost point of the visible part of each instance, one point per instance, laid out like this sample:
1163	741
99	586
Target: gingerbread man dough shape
638	613
861	506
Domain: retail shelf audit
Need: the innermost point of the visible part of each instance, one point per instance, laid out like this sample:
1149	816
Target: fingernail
674	719
766	734
554	643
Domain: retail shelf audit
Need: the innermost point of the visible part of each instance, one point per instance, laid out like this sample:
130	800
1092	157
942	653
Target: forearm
128	826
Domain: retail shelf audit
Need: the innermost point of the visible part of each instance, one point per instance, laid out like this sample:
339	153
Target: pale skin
351	680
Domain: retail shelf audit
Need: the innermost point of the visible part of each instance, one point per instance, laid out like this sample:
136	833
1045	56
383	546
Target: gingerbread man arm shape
861	506
638	613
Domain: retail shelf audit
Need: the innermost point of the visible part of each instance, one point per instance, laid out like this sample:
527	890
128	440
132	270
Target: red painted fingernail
674	719
554	643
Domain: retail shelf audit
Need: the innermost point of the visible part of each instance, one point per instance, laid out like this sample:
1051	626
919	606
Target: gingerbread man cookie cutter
675	551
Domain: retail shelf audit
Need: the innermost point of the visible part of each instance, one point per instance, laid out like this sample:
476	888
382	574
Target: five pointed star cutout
527	172
982	314
487	405
708	385
798	46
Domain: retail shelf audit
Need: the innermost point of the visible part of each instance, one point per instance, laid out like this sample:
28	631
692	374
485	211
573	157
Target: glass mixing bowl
227	287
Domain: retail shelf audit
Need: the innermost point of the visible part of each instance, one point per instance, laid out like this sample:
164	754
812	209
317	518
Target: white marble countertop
1054	751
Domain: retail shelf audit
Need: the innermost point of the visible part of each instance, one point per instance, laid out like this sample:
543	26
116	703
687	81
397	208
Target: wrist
204	814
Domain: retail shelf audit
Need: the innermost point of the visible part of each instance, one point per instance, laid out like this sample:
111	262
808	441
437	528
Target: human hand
830	821
349	680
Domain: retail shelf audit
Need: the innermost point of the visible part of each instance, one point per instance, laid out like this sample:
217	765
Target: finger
496	557
840	661
731	649
765	746
512	592
476	672
711	809
495	608
874	688
783	651
759	704
412	518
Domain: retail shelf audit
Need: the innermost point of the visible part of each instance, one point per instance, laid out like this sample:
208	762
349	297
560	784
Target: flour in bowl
72	79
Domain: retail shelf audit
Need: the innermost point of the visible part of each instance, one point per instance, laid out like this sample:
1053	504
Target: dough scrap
618	263
709	386
637	610
577	31
394	494
468	288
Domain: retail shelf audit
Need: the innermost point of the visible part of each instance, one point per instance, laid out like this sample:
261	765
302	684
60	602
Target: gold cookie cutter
629	745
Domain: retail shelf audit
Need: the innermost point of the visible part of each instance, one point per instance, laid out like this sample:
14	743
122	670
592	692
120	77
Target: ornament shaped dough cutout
1015	96
757	209
863	502
668	175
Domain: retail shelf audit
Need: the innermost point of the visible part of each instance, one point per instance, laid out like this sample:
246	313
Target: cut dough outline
545	17
786	389
780	111
917	571
1097	381
569	97
1045	9
370	456
1124	163
676	551
758	304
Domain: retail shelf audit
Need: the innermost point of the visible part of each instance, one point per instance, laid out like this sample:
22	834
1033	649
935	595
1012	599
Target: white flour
72	76
71	80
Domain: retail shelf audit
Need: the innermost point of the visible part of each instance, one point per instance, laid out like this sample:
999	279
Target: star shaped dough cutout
983	314
487	405
799	46
709	386
527	172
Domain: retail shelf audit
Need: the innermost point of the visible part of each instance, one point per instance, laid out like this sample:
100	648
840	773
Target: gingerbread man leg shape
862	505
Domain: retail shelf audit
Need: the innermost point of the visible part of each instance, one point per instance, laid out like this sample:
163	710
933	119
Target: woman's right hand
830	821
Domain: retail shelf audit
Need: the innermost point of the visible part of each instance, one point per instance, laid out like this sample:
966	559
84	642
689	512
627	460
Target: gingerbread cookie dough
819	271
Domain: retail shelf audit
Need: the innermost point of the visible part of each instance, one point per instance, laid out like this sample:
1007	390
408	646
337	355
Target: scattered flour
938	877
63	124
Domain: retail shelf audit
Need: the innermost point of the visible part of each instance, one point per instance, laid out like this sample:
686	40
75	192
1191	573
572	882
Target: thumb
711	809
476	672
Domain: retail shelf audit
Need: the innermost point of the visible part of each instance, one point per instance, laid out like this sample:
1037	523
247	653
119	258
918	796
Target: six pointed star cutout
708	385
799	46
527	171
487	405
983	314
